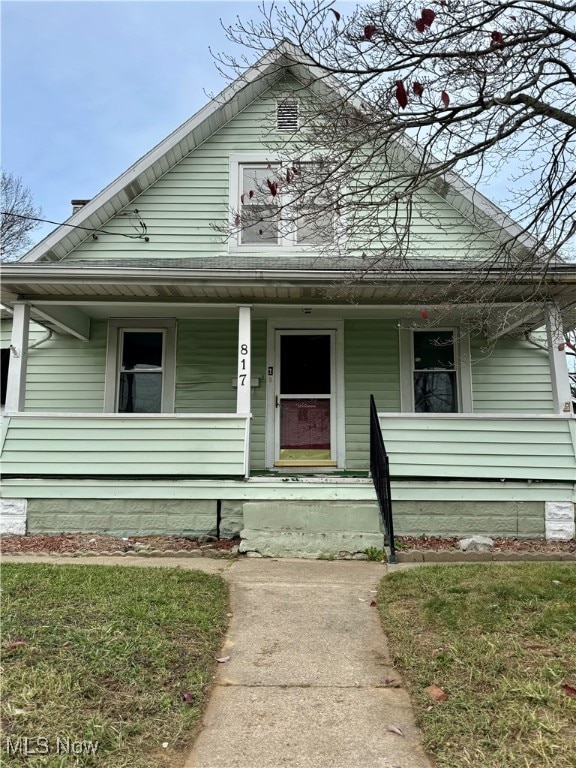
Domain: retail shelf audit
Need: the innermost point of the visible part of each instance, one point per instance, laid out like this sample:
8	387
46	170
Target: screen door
304	398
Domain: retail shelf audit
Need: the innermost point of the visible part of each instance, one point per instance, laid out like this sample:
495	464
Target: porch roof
297	280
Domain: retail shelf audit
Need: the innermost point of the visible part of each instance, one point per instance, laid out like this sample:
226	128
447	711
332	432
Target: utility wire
142	235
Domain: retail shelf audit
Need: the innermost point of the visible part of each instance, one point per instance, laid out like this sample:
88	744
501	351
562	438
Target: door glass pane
142	350
140	393
305	429
435	392
305	364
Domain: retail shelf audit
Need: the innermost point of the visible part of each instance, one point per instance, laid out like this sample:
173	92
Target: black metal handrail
380	472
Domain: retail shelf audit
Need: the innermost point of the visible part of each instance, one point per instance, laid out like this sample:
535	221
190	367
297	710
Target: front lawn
121	657
500	641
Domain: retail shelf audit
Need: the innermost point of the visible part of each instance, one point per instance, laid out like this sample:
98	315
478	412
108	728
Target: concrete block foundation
128	517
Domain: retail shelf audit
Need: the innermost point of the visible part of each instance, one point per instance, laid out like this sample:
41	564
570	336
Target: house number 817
243	353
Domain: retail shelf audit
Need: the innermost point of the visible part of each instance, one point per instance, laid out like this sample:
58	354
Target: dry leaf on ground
436	693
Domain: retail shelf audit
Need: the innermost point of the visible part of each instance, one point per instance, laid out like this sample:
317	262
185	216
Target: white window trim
288	243
462	367
115	327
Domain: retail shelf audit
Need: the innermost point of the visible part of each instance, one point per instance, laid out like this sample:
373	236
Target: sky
89	87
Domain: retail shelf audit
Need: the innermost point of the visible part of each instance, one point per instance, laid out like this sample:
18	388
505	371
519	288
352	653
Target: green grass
500	640
103	653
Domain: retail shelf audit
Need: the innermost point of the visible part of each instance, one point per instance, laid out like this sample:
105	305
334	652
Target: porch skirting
294	514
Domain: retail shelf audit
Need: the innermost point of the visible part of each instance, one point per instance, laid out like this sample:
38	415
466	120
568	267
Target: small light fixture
307	310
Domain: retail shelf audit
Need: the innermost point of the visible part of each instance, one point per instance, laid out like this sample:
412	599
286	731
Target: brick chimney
77	204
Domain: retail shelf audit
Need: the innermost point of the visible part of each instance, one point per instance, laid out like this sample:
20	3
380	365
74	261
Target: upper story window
259	200
271	213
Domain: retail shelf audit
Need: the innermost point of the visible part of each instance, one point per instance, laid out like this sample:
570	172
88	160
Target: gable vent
287	115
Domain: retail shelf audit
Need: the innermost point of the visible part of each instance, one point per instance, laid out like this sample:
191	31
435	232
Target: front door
304	398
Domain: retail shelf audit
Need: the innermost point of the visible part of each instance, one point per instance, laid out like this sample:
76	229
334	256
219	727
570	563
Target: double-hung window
270	212
140	370
259	199
435	371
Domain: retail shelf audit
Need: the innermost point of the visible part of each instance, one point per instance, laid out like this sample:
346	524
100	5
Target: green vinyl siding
371	367
113	445
206	359
206	353
487	448
187	210
512	377
36	332
66	374
5	332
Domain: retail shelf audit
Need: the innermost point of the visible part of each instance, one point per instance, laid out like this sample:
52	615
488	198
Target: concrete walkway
304	685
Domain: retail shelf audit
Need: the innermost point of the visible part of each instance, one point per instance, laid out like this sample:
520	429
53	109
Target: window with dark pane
140	385
434	372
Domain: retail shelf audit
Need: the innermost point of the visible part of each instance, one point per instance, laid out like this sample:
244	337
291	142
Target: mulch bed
71	543
437	543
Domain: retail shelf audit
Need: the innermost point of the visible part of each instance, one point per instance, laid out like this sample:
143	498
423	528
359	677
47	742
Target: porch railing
144	445
380	473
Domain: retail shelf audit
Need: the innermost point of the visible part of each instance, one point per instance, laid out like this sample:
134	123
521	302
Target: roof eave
54	274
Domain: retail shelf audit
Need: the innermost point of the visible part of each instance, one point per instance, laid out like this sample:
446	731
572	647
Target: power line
142	235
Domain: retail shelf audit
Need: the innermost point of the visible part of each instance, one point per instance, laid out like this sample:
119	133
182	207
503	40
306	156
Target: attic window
287	115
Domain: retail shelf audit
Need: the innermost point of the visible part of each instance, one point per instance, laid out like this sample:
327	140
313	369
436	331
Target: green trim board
284	489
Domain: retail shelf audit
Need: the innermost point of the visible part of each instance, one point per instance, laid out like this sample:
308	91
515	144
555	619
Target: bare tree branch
16	205
461	86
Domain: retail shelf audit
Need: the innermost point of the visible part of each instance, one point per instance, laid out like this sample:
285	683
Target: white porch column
558	361
16	386
244	391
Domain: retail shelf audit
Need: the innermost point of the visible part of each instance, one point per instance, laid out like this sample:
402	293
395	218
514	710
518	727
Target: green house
168	373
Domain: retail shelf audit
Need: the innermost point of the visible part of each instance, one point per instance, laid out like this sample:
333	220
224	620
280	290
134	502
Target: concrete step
310	529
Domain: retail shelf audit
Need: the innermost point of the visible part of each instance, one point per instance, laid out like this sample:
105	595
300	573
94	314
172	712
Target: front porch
227	448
